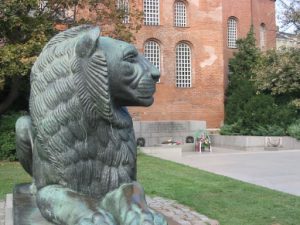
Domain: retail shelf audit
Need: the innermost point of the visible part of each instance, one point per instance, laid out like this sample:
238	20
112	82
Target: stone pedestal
25	211
22	210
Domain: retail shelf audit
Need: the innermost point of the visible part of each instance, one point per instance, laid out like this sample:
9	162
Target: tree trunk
12	95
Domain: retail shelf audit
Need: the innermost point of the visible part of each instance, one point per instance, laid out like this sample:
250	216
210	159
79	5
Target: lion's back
54	106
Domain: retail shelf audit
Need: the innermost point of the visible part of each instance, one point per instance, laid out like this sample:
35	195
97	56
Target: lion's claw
144	218
132	208
98	218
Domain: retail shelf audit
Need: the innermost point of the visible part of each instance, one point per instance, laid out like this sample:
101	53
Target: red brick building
190	41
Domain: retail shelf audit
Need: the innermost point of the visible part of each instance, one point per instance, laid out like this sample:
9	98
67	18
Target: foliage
241	87
248	55
250	108
26	26
116	18
291	14
237	98
231	129
294	130
7	136
261	116
24	32
279	74
269	130
262	110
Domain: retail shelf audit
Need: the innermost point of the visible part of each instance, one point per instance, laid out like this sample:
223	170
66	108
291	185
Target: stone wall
156	132
255	142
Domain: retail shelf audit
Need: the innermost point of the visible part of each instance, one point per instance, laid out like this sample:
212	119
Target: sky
279	10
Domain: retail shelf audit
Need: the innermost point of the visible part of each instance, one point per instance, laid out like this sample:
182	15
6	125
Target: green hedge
249	110
7	135
260	115
294	130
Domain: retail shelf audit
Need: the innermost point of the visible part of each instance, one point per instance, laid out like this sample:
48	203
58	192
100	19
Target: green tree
249	110
24	31
241	87
278	73
291	14
26	26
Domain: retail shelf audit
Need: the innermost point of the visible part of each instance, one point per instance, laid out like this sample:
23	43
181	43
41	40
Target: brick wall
264	12
204	34
247	12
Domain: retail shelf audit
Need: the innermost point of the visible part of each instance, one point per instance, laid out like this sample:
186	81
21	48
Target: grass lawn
11	173
229	201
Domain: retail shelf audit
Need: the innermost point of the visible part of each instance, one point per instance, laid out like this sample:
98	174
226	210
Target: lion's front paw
136	217
98	218
129	207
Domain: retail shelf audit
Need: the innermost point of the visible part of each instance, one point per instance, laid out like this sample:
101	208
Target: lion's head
132	77
103	72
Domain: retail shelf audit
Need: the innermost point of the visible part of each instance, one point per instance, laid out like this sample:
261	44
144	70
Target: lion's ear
87	43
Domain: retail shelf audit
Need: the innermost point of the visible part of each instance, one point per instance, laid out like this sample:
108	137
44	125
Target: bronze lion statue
78	143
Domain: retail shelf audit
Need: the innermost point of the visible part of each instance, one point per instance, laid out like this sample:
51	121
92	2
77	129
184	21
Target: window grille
232	33
180	14
262	36
183	66
152	53
124	6
151	12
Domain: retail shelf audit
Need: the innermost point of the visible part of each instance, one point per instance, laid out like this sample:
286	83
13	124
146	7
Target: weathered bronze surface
78	143
29	214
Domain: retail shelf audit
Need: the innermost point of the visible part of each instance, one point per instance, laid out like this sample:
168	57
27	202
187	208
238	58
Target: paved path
2	212
278	170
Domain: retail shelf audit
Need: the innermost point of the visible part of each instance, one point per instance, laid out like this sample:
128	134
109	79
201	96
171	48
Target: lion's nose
155	74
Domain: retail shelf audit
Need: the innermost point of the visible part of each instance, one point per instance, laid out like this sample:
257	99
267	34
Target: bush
231	129
260	116
236	101
253	111
262	110
294	130
7	136
271	130
238	129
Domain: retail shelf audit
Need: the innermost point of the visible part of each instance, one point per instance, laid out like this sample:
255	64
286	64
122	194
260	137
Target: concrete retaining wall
155	132
169	151
255	142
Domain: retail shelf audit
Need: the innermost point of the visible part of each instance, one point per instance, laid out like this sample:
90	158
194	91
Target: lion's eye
130	57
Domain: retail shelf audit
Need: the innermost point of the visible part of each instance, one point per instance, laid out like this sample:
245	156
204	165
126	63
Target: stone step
2	212
8	218
175	213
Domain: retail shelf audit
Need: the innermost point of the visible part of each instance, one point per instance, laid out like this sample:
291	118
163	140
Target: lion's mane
76	128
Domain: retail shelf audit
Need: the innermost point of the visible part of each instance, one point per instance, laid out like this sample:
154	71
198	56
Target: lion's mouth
145	93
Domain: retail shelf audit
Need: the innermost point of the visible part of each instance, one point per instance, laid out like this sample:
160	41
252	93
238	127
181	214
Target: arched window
123	5
151	12
183	66
232	32
262	36
152	53
180	14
